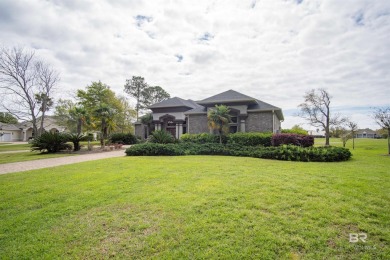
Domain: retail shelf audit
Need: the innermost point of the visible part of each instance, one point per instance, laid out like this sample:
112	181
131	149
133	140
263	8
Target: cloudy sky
274	50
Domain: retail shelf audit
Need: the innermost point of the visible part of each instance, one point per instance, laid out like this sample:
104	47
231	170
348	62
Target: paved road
51	162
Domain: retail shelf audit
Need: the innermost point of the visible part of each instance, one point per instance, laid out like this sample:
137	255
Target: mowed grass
27	156
14	147
200	207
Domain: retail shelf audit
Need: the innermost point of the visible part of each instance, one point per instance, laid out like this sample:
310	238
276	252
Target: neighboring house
24	131
179	116
9	132
367	133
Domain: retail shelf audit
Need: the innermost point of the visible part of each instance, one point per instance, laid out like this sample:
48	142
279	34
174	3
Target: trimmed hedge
247	139
202	138
154	149
292	139
284	152
123	138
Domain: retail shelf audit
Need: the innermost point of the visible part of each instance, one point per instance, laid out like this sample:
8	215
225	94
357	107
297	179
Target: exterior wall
277	124
177	115
197	124
259	122
139	131
10	136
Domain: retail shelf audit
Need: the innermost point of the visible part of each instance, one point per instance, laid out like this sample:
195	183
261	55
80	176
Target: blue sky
274	50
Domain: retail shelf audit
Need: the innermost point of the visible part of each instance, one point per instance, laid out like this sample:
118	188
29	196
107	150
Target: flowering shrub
292	139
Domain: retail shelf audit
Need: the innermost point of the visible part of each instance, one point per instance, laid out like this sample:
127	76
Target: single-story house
179	116
367	133
24	131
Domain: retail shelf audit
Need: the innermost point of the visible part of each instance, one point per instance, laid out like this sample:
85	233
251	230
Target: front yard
200	207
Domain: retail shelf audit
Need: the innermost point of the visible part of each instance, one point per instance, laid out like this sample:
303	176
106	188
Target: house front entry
171	125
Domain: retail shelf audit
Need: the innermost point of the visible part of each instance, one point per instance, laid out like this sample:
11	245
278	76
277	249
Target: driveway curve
52	162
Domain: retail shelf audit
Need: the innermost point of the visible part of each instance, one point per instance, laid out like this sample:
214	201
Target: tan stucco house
24	131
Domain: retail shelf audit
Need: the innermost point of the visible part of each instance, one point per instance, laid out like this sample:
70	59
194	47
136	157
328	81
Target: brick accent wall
259	122
197	124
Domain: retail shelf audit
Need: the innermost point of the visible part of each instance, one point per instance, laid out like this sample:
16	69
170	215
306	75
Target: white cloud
274	50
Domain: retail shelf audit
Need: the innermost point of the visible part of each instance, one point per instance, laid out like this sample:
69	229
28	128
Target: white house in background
367	133
24	131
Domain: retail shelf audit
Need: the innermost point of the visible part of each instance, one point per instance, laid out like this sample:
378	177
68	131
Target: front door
172	130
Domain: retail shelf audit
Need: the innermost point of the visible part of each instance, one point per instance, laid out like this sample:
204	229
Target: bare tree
316	110
382	118
353	128
26	85
48	78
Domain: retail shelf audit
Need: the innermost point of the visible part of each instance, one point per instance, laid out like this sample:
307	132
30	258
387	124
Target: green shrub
250	139
153	149
202	138
50	142
306	154
293	139
76	139
123	138
161	137
284	152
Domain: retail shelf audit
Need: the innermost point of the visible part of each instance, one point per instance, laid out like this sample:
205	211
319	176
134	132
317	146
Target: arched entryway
170	124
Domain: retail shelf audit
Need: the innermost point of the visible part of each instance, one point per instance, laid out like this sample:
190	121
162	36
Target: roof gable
174	102
229	96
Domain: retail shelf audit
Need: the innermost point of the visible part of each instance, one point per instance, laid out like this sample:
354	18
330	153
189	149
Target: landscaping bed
284	152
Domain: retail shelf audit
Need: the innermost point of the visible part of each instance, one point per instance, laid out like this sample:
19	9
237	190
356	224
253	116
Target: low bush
308	154
284	152
76	139
239	138
153	149
292	139
50	142
123	138
161	137
202	138
250	139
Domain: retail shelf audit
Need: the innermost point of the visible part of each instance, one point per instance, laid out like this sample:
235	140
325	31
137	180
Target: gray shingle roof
8	127
175	102
227	96
198	110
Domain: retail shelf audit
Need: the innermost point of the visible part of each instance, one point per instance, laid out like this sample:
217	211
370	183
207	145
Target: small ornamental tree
219	119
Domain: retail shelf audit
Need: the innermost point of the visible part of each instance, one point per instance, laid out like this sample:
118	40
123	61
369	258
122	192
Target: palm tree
105	113
80	115
219	119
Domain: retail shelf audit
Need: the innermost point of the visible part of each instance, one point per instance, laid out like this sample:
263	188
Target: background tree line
27	86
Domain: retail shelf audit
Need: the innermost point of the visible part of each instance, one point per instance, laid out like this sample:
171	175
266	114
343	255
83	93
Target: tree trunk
353	142
220	136
102	132
79	123
42	117
327	130
388	140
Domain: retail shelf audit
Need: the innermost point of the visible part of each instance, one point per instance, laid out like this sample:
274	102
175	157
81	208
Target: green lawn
27	156
200	207
14	147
